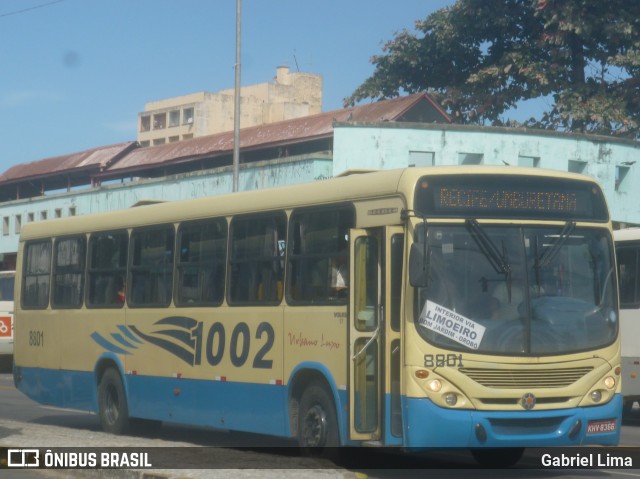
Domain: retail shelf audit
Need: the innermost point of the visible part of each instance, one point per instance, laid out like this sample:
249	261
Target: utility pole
236	109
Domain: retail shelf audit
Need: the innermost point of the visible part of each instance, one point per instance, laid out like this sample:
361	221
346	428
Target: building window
43	215
144	144
529	161
173	139
159	121
187	116
58	213
188	136
145	123
18	224
621	176
72	211
577	166
31	217
174	118
5	226
159	141
470	158
421	158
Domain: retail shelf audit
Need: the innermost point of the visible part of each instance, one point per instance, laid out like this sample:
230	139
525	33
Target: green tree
482	58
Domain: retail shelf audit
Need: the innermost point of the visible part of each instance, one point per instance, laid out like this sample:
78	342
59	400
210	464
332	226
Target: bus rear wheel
317	422
112	403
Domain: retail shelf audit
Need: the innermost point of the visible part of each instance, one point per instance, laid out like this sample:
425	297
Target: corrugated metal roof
95	158
273	134
121	158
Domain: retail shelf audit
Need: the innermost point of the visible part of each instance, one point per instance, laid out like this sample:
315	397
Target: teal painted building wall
614	163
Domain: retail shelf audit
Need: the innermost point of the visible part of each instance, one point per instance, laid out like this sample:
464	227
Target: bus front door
374	357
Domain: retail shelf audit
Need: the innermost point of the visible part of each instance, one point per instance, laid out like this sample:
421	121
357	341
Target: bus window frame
635	247
223	262
27	245
121	270
81	270
131	269
275	215
349	208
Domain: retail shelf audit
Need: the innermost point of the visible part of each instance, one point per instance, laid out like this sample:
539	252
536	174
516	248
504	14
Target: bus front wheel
112	403
317	423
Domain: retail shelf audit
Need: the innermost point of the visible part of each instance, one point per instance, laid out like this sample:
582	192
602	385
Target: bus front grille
525	378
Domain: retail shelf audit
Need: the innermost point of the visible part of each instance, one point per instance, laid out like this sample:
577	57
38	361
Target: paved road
24	423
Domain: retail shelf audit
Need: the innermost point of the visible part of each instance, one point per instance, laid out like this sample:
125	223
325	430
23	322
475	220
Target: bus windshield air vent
519	379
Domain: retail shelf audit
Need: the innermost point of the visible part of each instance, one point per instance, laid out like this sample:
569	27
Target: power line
16	12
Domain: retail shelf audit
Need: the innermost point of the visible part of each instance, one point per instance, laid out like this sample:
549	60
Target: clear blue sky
75	73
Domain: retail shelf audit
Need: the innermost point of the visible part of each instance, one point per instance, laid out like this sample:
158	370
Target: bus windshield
517	290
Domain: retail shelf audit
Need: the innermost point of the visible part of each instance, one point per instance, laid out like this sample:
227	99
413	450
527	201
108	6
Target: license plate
5	327
599	427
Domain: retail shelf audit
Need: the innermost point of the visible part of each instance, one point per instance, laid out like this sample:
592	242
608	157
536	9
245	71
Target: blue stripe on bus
456	428
107	345
118	337
127	332
257	408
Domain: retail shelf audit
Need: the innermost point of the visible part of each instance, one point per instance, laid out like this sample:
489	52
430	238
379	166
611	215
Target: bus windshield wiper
552	251
499	261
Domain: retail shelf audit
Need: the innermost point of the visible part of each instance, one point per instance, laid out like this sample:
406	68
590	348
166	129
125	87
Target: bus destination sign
508	199
509	196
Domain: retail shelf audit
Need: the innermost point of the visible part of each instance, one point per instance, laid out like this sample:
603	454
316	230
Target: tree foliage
481	59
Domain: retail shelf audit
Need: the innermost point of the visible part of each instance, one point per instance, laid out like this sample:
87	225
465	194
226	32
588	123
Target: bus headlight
451	399
435	385
610	382
596	396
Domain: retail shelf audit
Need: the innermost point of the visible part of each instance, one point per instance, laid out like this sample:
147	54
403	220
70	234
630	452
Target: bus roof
335	190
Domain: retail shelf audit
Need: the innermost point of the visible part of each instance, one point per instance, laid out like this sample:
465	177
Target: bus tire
317	422
112	403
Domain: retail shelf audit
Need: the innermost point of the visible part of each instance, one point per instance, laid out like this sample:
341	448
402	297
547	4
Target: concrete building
402	132
291	95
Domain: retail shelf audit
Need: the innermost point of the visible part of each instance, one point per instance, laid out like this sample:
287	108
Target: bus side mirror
419	266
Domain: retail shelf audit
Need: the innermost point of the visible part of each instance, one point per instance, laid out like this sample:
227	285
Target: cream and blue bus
627	243
469	307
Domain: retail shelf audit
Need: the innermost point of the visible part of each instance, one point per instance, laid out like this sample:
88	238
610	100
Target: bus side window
256	259
628	269
152	267
319	255
201	264
37	269
107	269
68	274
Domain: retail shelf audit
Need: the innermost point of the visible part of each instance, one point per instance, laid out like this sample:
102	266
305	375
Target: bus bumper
429	426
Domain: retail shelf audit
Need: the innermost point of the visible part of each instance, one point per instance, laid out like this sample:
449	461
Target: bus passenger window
256	262
37	268
151	267
201	263
68	274
319	255
107	269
